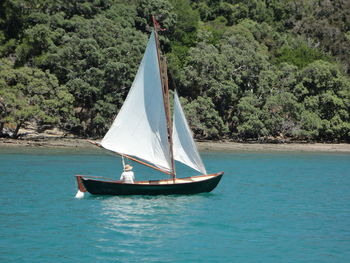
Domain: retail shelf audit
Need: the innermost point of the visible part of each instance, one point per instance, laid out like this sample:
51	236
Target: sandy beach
282	147
203	146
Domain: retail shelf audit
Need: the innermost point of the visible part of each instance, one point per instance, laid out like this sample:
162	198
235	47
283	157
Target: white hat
127	167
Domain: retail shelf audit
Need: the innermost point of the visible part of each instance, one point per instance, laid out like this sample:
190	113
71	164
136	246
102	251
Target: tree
328	95
97	66
282	114
249	119
204	119
30	94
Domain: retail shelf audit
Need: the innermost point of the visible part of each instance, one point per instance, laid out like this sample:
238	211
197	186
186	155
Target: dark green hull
105	187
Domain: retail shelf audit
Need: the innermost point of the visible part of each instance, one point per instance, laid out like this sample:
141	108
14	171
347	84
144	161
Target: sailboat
144	132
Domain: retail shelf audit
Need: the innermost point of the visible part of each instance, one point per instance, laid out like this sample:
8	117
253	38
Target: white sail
184	147
140	129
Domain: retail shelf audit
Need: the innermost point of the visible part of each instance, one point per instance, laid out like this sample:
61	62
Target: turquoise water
269	207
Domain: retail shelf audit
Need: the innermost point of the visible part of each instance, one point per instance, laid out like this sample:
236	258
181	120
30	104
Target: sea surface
269	207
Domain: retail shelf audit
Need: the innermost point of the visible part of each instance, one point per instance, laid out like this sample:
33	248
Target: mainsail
185	149
140	129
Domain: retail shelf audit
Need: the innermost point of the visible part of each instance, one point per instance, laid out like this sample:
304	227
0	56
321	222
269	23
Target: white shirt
127	177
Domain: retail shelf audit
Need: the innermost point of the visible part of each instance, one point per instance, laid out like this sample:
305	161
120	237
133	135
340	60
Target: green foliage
204	119
249	123
162	10
95	64
329	93
248	70
326	23
300	56
30	94
310	123
184	36
282	114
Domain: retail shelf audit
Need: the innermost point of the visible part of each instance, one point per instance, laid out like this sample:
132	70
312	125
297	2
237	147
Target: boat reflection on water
145	223
137	212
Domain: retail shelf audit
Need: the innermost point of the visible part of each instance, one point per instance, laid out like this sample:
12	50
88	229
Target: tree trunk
2	124
15	133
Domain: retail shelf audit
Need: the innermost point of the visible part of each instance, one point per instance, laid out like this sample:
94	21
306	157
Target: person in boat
128	175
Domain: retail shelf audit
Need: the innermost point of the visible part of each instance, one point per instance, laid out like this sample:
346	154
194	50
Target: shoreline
274	147
202	146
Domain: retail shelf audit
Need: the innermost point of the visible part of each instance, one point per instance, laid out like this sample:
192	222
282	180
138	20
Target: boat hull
194	185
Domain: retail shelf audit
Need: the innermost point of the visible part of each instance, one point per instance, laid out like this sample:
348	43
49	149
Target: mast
171	142
166	100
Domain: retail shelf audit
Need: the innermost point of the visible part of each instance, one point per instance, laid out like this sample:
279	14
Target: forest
246	70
